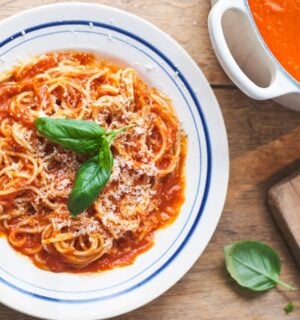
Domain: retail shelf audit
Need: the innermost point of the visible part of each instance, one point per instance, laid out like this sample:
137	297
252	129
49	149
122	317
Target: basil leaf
254	265
91	178
80	136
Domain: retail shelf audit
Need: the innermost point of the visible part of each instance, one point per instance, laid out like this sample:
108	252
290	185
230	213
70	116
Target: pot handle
279	85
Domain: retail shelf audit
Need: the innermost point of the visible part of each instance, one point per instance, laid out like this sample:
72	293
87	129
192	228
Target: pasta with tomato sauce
145	190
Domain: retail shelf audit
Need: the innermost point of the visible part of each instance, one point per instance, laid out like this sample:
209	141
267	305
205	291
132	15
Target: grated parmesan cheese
59	223
139	130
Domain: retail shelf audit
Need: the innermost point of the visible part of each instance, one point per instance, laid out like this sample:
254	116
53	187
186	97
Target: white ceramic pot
245	56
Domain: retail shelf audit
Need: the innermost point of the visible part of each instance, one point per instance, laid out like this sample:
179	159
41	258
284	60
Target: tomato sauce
129	248
279	24
170	192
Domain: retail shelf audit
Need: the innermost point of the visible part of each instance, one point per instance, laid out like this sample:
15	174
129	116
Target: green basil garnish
90	180
83	136
80	136
254	265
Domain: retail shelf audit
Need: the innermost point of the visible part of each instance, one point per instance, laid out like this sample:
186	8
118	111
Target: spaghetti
145	190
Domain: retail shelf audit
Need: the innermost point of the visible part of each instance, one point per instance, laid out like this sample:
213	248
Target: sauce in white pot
279	24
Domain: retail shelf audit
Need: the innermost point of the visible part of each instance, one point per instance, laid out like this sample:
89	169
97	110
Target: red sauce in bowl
279	24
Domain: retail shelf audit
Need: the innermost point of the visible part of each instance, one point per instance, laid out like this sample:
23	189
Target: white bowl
246	58
163	63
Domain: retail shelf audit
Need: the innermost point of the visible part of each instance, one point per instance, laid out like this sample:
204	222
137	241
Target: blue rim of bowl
208	148
266	47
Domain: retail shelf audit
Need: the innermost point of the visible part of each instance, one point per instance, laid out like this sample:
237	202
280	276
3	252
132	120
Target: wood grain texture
264	148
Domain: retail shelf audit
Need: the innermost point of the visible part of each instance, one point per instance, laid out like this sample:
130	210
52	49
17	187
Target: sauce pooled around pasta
145	190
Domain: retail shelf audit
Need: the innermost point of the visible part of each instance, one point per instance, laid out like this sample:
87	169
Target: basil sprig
254	265
83	136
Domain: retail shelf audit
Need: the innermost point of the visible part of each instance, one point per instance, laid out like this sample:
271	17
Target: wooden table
264	141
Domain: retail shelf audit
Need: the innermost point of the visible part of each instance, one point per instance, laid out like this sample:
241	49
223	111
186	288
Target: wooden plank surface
264	148
284	202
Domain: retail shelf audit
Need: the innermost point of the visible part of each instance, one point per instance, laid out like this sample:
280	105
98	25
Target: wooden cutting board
284	201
